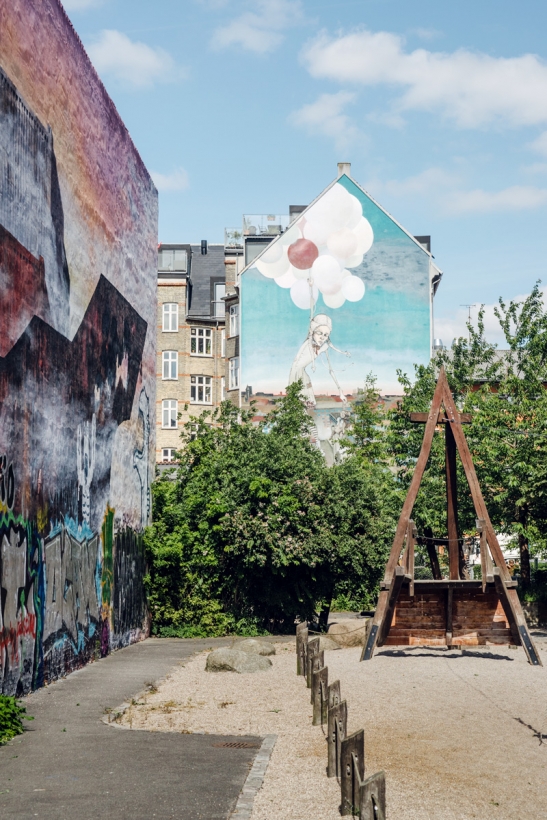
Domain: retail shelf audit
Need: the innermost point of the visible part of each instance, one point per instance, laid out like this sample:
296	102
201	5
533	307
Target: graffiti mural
78	228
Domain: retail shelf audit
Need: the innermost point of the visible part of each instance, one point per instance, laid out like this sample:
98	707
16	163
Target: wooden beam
393	594
517	622
421	418
408	505
452	503
434	560
471	475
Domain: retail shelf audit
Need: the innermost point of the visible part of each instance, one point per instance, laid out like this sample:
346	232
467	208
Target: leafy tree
255	530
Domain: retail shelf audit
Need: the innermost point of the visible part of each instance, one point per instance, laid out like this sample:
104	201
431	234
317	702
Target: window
169	413
168	454
200	341
234	320
222	343
170	364
234	373
200	390
219	308
222	388
170	317
173	259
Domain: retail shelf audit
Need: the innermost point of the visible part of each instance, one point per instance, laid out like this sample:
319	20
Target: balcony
233	238
265	224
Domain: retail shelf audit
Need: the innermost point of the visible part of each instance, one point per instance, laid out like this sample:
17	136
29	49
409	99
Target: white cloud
428	182
131	63
540	144
260	30
177	180
80	5
471	88
515	198
326	116
452	327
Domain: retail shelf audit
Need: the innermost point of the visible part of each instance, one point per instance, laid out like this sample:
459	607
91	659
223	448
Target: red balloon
302	254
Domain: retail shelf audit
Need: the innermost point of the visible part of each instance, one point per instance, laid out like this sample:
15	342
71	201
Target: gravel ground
458	734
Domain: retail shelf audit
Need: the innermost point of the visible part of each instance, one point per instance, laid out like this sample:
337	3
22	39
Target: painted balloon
334	300
303	253
287	280
342	243
353	288
365	235
301	295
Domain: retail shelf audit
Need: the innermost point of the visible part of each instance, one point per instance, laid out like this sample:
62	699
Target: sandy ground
457	733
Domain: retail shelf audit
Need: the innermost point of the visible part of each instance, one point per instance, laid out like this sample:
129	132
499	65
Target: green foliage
255	530
12	715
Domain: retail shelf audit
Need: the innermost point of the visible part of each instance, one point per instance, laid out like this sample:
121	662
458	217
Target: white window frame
199	336
170	317
223	342
219	306
234	373
169	365
234	320
168	454
222	388
169	414
201	390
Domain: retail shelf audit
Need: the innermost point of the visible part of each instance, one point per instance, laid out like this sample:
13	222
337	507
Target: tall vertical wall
78	234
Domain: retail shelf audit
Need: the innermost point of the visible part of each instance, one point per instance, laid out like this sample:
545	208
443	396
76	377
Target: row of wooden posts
362	797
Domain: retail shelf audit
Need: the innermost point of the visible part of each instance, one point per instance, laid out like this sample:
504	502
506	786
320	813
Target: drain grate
236	744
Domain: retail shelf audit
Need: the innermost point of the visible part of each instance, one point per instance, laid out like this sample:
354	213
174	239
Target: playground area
459	734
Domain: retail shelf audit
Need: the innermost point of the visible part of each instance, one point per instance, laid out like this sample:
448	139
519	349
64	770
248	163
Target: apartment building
190	338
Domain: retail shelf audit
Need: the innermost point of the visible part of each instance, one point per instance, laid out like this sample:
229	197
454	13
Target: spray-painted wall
78	230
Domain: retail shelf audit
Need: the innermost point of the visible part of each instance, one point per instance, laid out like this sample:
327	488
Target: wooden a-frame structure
454	611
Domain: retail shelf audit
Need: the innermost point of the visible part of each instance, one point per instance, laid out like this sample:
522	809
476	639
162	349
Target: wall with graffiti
78	233
343	293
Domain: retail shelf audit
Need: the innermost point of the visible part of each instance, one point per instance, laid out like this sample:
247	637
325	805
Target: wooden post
333	694
449	609
487	568
372	804
352	772
452	503
320	682
301	645
317	663
394	590
411	544
311	651
337	724
434	560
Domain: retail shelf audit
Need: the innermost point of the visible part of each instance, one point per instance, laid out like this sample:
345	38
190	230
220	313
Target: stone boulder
349	633
326	642
232	660
255	646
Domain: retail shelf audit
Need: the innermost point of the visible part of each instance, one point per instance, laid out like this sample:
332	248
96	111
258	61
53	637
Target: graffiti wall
345	292
78	235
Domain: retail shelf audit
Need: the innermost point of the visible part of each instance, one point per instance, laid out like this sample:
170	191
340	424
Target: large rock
257	647
349	633
232	660
326	642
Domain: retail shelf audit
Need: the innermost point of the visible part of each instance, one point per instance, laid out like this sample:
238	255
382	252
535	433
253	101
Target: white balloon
302	295
365	235
273	254
290	236
334	300
300	274
271	271
316	233
342	243
354	261
327	274
345	273
333	210
287	280
356	213
353	288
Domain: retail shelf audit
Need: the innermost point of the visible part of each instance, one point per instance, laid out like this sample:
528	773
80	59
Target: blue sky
241	106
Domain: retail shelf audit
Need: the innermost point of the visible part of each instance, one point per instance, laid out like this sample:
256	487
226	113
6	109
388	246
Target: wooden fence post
312	649
320	682
352	772
337	724
372	804
333	694
301	646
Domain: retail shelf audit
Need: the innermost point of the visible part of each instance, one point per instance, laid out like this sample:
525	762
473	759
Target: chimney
203	247
344	168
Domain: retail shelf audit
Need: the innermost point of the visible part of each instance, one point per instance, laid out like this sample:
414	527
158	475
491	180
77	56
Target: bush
12	715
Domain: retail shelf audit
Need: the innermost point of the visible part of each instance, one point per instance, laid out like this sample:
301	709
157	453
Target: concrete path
71	765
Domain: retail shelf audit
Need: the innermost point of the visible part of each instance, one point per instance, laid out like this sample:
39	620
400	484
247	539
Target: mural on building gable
78	229
343	293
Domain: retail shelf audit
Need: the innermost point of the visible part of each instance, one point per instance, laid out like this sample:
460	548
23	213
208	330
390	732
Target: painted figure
317	343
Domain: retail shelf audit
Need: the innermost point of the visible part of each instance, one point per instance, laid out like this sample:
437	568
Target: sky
246	106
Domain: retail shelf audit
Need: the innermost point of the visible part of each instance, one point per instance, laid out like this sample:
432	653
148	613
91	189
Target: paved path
71	765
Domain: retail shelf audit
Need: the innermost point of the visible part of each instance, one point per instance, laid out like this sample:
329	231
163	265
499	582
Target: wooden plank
370	644
337	723
502	591
372	803
394	590
471	475
352	772
320	682
333	694
452	503
311	653
509	598
416	481
421	418
301	649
